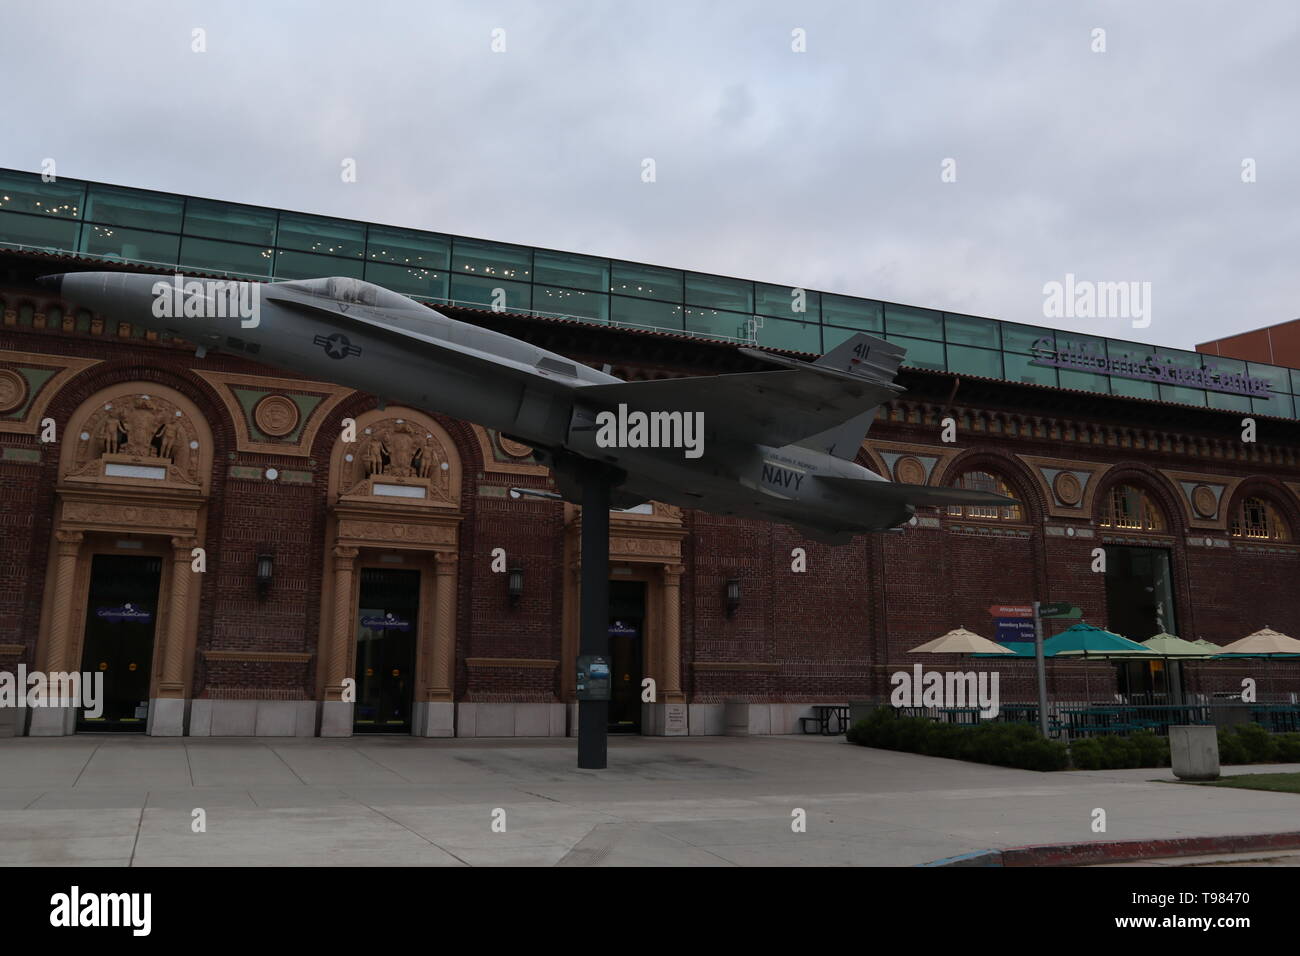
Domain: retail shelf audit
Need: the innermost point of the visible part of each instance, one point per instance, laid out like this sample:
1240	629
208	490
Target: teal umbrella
1084	640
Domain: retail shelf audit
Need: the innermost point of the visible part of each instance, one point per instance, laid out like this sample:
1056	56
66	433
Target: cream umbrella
1263	643
961	641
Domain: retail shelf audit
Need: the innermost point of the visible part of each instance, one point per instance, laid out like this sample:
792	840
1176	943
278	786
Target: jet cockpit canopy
347	289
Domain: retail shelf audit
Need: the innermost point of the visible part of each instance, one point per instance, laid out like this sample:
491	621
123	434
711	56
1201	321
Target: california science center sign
1149	368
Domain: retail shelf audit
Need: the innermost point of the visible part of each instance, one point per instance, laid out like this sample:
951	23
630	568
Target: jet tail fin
862	356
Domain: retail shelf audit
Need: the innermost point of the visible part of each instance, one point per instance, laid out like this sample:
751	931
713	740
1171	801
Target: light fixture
515	585
265	566
733	595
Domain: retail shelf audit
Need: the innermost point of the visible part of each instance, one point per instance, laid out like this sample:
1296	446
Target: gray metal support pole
1041	666
593	715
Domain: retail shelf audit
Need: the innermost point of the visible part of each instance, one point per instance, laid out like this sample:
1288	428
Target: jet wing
924	495
771	408
440	349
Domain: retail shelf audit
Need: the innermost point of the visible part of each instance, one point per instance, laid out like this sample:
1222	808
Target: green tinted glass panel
325	237
1232	403
302	265
1279	380
218	220
797	336
49	232
971	330
408	247
645	282
1085	381
409	280
717	323
128	207
133	244
473	257
1079	342
1020	368
719	293
644	312
26	193
787	302
208	255
1183	396
914	323
480	293
920	353
972	361
832	336
1278	404
864	314
1134	388
1021	338
1223	363
578	303
570	271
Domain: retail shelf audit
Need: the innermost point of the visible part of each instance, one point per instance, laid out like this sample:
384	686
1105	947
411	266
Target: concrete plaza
711	801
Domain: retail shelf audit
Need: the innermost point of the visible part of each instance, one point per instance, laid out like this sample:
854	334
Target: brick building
122	452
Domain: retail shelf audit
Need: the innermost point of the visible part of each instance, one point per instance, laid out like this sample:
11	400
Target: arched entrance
122	594
388	613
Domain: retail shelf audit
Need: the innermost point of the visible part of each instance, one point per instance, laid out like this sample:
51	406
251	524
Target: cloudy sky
821	168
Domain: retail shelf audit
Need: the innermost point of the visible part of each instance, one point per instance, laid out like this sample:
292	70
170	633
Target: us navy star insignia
336	346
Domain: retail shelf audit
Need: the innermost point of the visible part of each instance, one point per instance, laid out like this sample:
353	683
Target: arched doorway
122	594
388	613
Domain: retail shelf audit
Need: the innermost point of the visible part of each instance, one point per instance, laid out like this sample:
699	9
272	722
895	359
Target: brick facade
830	634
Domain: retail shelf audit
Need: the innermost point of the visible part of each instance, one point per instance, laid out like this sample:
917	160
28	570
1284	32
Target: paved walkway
711	801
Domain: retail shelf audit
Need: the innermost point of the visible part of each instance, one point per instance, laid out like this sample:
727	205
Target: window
985	481
1130	508
1257	518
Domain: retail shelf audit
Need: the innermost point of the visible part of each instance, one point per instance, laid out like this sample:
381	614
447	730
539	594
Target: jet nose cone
54	282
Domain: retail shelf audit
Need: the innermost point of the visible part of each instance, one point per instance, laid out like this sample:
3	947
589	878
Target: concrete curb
1118	851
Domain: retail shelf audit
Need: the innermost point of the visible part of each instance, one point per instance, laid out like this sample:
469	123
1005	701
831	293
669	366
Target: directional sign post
1061	609
1042	669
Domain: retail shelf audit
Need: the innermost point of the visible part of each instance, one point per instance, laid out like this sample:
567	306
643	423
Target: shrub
1007	745
1288	747
1256	743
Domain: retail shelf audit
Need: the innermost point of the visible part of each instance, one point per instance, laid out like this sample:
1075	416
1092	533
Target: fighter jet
777	444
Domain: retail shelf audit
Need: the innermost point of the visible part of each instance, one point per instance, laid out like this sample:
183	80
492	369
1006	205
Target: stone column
172	682
671	691
435	715
336	715
68	547
442	679
167	710
57	721
669	715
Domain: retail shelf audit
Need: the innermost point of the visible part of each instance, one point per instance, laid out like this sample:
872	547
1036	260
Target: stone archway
134	472
643	547
394	500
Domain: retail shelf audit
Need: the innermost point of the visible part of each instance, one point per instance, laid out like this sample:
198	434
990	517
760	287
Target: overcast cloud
819	169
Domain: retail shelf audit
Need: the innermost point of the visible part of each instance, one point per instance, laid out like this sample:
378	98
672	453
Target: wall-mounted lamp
733	595
265	566
515	585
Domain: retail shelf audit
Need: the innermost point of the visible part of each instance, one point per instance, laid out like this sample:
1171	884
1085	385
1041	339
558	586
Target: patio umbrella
1171	645
961	641
1084	640
1173	648
1265	642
